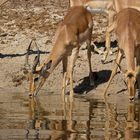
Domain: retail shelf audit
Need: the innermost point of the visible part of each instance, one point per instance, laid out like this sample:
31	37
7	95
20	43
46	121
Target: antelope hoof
103	59
110	52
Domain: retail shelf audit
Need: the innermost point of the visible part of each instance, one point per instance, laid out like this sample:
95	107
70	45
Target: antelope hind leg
91	78
108	40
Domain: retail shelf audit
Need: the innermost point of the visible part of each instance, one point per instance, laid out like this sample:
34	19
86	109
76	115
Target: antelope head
130	81
131	78
39	74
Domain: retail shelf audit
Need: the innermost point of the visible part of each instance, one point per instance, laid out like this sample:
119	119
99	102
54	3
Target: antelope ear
48	65
35	63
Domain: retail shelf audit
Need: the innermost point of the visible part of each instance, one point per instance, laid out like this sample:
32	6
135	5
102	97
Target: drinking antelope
127	27
110	7
118	5
75	29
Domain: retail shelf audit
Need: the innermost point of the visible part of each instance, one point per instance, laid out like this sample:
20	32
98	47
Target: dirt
23	20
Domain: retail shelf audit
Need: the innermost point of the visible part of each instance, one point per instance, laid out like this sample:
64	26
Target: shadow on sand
99	78
22	54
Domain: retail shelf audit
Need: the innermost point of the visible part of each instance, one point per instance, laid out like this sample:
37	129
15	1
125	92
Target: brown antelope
75	29
96	6
127	31
118	5
111	7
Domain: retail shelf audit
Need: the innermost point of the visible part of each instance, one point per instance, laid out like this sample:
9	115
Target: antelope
118	5
110	7
72	32
127	27
96	6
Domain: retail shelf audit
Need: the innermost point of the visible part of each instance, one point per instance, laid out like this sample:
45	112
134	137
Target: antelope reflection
36	113
59	129
132	130
111	123
38	121
114	127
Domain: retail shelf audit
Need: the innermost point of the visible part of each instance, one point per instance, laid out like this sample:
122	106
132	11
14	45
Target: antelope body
75	29
128	36
111	7
118	5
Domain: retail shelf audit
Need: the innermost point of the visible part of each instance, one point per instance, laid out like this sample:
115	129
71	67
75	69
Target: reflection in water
48	118
133	121
60	129
111	124
114	125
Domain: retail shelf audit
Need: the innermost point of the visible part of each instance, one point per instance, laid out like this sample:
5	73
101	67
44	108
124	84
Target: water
48	118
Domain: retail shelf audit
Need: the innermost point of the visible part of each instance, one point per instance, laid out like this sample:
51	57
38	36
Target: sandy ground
22	21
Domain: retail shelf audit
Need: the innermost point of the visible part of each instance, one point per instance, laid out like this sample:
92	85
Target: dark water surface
48	118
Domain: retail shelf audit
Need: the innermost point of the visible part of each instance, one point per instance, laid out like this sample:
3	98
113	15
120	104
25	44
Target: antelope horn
36	62
27	54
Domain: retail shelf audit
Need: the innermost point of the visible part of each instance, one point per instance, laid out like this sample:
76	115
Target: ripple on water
46	116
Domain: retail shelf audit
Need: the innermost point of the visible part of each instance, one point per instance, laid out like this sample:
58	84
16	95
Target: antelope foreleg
73	58
118	61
